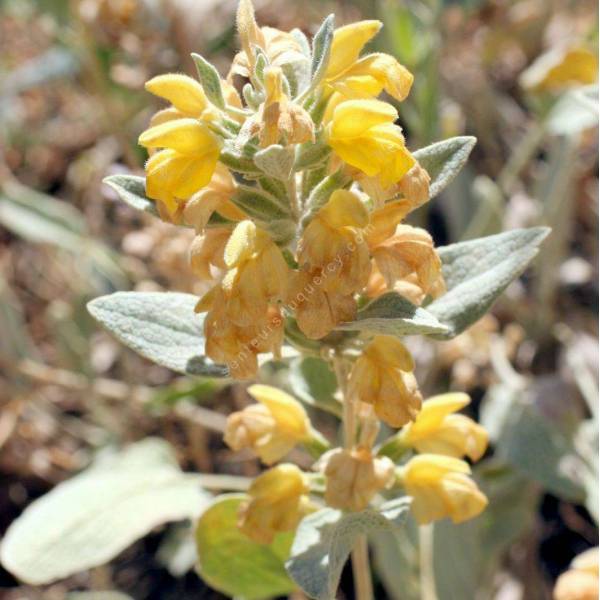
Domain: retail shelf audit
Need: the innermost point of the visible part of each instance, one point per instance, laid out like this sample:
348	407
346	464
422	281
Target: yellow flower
354	77
363	134
207	253
382	376
580	582
354	477
560	68
279	119
271	428
438	431
317	311
409	252
184	166
278	501
333	244
184	93
214	197
441	487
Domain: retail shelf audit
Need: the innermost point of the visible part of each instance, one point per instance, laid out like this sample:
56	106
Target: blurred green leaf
162	327
325	539
392	314
444	160
132	190
313	382
88	520
478	271
231	562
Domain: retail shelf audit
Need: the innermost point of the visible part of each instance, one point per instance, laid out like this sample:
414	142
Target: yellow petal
354	117
183	92
348	43
391	75
186	136
344	209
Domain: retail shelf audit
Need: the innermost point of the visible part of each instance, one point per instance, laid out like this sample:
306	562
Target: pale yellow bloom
207	253
318	311
350	76
333	244
271	428
580	582
214	197
354	477
278	501
186	163
409	252
363	134
560	68
383	376
440	487
438	430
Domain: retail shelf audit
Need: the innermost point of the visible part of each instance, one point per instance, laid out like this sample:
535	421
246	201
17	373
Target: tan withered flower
383	376
207	253
278	118
354	477
238	347
409	252
334	244
318	311
214	197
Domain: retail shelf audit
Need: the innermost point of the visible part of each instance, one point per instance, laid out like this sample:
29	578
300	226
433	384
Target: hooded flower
352	76
383	376
364	135
354	477
441	487
185	164
438	430
317	311
271	428
278	501
333	244
216	196
257	274
207	253
279	119
409	252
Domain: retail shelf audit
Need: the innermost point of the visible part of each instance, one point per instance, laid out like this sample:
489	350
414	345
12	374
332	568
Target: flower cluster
298	189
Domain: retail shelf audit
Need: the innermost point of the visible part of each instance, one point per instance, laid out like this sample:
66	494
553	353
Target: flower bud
440	487
383	376
278	501
354	477
438	431
580	582
271	428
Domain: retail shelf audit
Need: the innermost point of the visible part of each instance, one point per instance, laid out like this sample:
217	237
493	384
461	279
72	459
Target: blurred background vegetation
71	107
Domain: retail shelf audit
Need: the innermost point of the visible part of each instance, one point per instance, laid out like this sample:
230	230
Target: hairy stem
363	586
361	569
428	591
